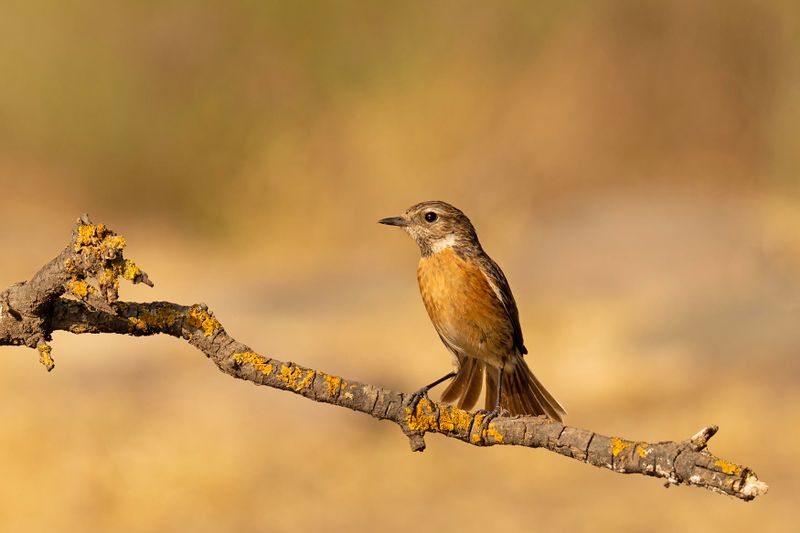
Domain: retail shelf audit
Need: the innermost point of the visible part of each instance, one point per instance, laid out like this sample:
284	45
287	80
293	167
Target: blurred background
632	165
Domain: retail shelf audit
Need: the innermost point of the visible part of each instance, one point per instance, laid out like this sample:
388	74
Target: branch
77	292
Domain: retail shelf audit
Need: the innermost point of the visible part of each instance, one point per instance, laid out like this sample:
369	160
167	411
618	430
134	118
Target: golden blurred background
632	165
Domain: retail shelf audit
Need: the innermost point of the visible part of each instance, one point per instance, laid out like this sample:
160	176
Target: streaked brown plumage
471	306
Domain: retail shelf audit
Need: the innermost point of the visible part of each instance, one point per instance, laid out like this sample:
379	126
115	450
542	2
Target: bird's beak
394	221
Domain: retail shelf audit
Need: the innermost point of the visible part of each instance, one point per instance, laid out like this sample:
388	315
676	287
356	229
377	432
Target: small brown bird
471	306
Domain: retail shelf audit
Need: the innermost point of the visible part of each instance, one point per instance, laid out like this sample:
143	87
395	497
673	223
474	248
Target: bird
470	303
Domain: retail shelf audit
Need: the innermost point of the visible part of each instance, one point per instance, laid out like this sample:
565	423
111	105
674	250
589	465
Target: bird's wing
499	284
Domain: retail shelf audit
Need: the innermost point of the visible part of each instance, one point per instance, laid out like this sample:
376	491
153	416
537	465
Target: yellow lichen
131	271
116	268
69	265
728	468
116	241
158	319
45	357
201	319
108	277
450	419
296	378
137	324
642	449
253	359
98	237
618	445
79	328
453	419
333	383
79	288
423	419
491	432
87	236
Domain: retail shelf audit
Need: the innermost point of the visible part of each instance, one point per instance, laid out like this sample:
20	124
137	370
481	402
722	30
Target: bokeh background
633	166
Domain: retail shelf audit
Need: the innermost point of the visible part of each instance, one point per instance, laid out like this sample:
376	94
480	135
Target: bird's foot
415	398
488	416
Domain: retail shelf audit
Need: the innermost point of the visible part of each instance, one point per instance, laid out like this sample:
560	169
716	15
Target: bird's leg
415	397
488	416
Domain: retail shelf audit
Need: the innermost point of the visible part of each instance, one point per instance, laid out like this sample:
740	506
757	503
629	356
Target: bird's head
435	226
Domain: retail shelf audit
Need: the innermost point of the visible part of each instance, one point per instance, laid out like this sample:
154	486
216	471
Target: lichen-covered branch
88	269
77	292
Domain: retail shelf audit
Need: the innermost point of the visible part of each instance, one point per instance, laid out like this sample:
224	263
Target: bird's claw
415	398
488	416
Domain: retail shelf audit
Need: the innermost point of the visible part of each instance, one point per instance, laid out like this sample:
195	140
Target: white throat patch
441	244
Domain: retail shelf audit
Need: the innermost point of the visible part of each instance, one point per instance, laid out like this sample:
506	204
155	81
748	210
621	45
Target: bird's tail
465	389
522	393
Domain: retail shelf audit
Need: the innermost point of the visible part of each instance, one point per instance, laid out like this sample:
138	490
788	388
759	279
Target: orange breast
464	309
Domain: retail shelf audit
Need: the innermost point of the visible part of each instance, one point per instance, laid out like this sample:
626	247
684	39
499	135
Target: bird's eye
430	216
